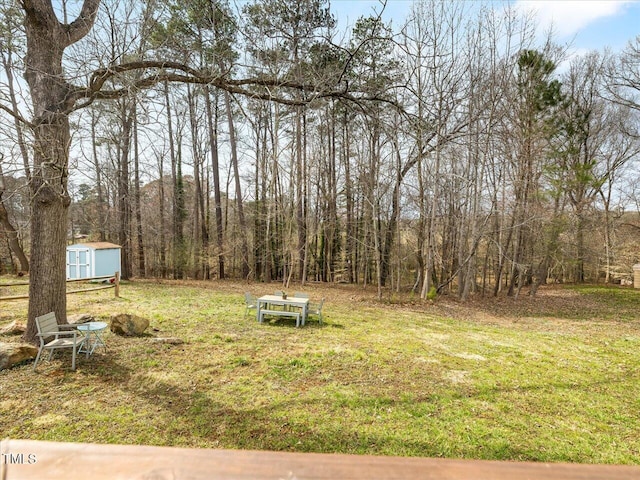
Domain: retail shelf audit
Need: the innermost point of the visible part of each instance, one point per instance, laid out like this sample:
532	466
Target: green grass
556	378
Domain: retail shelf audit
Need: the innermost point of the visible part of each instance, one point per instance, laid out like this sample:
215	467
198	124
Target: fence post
117	289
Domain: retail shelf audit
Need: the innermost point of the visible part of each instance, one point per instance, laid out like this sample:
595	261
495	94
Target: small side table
94	336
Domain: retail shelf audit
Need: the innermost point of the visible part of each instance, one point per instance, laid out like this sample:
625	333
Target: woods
455	152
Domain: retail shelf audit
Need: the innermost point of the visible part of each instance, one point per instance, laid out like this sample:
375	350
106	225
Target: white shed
95	259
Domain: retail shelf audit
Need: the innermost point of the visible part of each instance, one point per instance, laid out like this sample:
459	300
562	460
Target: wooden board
26	460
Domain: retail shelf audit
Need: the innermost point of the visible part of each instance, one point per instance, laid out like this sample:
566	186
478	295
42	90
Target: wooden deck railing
26	460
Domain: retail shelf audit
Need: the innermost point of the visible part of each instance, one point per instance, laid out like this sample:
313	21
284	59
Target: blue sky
590	24
586	24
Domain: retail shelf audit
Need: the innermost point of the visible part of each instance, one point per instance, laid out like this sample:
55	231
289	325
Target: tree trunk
244	249
580	245
428	276
332	227
215	167
136	194
198	200
10	231
12	236
301	194
349	227
47	39
177	252
606	200
259	246
124	200
161	212
8	66
100	206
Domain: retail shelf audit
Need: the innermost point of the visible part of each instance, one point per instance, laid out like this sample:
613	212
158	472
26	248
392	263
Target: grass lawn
555	378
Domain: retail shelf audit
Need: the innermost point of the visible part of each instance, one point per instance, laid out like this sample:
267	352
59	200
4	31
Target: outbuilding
93	259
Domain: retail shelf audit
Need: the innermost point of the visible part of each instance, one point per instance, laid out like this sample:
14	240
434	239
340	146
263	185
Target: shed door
78	263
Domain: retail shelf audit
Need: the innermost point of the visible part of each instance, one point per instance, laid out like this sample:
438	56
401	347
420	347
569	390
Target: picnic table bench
279	313
294	307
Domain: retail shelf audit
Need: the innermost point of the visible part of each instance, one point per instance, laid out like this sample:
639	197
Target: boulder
14	328
128	325
80	318
14	353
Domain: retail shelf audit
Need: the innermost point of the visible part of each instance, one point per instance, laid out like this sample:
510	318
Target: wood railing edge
26	459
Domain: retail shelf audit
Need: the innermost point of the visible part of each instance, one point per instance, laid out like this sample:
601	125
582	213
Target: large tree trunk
46	40
50	200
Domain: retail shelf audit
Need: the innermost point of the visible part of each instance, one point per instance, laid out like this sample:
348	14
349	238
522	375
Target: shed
94	259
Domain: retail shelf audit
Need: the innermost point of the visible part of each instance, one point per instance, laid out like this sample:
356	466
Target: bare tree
623	76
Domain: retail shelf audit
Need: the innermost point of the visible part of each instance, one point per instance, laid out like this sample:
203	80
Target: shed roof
97	245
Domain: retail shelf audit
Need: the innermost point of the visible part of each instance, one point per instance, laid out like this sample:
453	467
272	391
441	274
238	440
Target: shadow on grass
291	323
197	420
187	413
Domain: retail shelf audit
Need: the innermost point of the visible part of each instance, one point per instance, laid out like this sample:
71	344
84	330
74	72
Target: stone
80	318
14	328
128	325
13	353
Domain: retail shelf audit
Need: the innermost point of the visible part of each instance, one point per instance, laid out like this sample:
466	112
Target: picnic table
296	307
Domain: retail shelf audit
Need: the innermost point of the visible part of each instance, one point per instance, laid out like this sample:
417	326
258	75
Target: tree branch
81	26
16	115
627	224
42	12
260	87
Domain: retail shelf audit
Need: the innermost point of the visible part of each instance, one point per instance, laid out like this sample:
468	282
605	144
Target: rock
14	328
80	318
14	353
169	340
128	325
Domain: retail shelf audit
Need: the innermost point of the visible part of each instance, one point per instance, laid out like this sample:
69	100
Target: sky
590	24
585	24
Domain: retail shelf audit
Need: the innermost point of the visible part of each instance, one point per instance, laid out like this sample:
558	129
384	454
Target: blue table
94	336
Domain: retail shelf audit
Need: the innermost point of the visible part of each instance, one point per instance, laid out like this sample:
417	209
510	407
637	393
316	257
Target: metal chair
301	295
48	327
251	303
315	309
